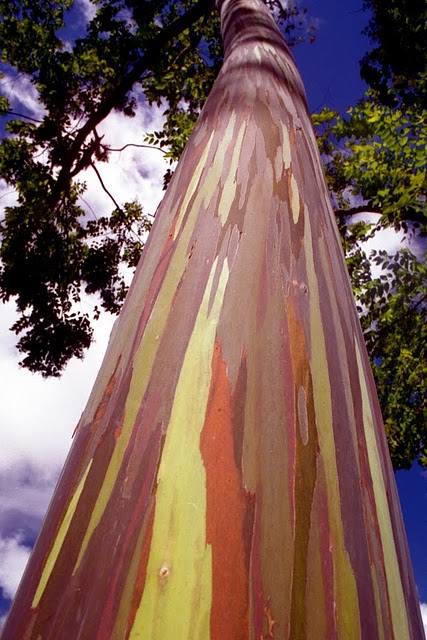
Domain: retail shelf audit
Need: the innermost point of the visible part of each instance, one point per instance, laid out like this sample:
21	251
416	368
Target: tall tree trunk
229	478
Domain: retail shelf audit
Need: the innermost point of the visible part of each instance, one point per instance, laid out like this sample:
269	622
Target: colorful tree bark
229	477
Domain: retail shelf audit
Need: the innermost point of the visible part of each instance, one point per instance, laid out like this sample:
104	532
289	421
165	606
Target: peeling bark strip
229	478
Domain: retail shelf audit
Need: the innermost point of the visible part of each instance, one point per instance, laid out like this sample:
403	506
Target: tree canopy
396	68
375	159
50	252
169	54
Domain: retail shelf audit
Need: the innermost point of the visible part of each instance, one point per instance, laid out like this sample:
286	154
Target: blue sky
330	66
34	434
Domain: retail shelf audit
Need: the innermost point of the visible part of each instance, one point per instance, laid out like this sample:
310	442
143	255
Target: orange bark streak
225	528
271	622
100	412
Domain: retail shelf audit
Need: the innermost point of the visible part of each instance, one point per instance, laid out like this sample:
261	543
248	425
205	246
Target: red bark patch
227	505
102	407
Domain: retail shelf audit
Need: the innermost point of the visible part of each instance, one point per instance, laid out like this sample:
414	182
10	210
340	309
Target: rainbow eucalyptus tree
229	477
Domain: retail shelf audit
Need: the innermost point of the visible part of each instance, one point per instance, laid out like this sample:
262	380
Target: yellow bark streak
147	351
122	337
216	168
394	584
59	540
345	589
295	202
228	135
249	261
316	614
230	186
282	160
286	147
380	623
192	187
143	363
177	597
341	359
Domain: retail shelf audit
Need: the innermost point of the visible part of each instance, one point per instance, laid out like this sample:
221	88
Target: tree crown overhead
170	53
158	52
396	68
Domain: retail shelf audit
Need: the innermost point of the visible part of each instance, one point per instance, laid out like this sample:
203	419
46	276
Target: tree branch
134	74
92	164
118	207
21	115
408	216
132	144
345	213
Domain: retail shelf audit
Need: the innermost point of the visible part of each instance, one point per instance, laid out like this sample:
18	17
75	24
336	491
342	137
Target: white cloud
88	9
386	238
132	173
389	240
13	559
424	616
26	490
7	194
37	416
22	93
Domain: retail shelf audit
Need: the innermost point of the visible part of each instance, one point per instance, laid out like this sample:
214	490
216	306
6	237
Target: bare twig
21	115
134	74
110	195
132	144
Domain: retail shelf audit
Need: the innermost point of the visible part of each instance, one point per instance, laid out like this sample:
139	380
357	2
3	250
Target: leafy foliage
393	310
396	68
377	155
